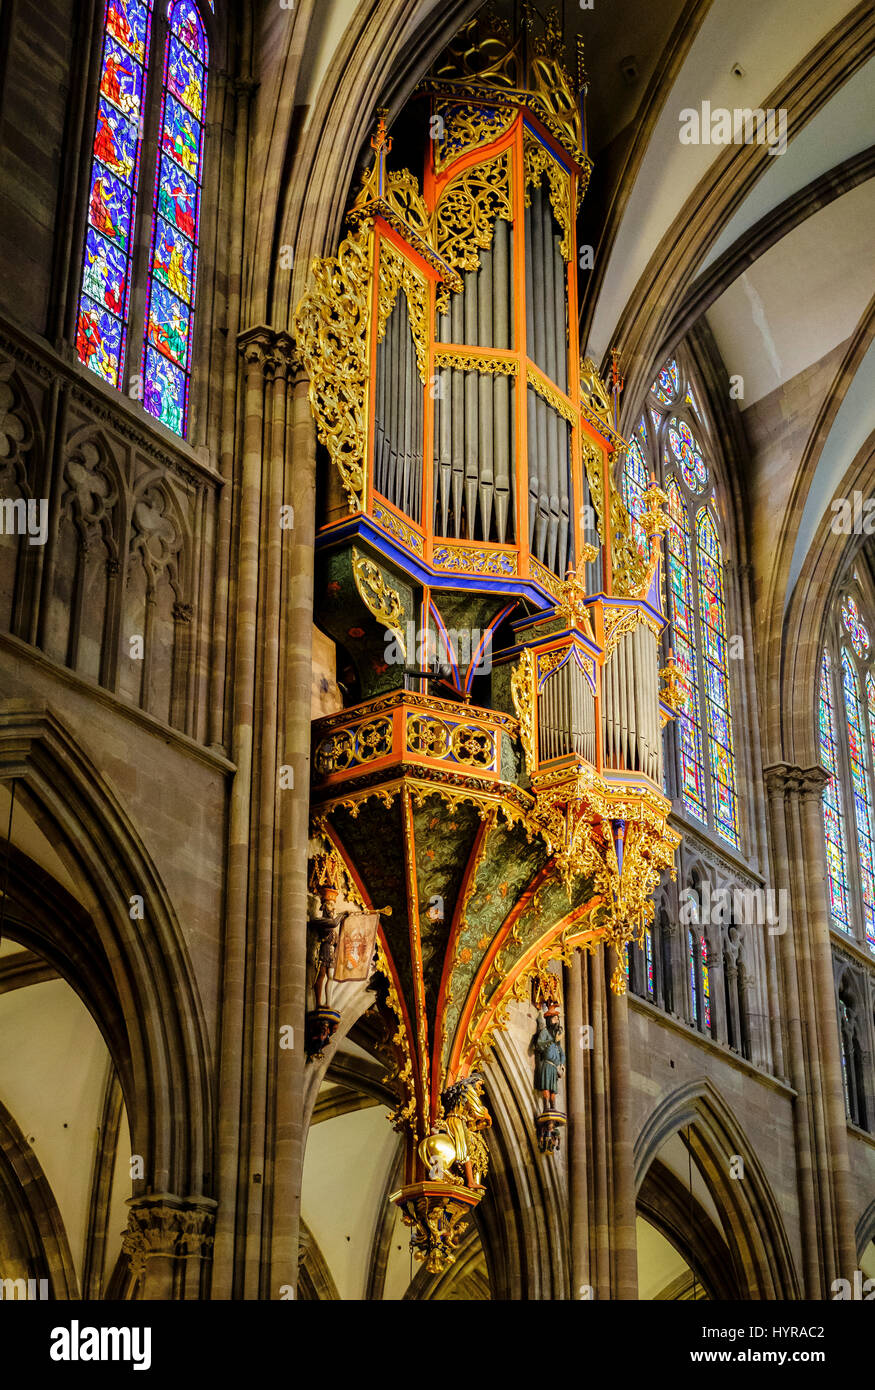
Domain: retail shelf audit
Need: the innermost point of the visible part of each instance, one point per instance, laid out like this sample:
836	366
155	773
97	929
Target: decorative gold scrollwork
593	463
522	689
331	333
467	126
382	600
539	161
551	395
466	213
465	560
630	567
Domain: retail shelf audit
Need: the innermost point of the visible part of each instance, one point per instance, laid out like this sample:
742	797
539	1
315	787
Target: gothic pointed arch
33	1215
146	975
754	1228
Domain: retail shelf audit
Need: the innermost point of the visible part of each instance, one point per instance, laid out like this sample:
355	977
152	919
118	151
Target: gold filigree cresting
396	274
476	362
467	126
331	335
538	162
460	559
546	578
378	596
523	694
551	395
466	213
554	96
487	62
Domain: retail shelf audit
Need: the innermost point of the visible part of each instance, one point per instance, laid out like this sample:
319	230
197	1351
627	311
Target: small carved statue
549	1058
465	1117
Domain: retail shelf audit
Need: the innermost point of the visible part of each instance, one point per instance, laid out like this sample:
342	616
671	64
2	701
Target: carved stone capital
255	346
271	350
183	612
782	779
163	1225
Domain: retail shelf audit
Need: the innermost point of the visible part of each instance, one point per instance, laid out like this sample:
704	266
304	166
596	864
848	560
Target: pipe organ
494	790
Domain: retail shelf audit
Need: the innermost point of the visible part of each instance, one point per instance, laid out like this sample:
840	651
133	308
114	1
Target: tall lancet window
149	133
833	813
176	212
846	719
669	441
104	301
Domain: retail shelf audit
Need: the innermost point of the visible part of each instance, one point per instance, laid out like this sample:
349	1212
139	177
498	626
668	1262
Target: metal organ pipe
550	366
457	310
501	385
485	382
472	403
630	690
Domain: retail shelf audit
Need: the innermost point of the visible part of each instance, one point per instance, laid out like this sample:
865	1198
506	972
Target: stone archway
136	980
762	1262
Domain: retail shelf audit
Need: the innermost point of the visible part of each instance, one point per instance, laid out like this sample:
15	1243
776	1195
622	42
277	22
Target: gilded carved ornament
467	126
522	689
378	596
476	362
551	395
466	212
594	393
331	333
538	162
396	274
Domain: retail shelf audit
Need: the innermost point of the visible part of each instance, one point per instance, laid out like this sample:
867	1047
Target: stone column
828	1044
624	1273
602	1197
168	1242
578	1052
813	1056
260	1104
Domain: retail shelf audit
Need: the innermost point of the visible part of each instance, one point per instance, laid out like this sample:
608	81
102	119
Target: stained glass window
174	245
104	302
833	815
706	985
855	627
635	484
680	588
862	795
694	991
667	384
712	616
688	454
648	958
